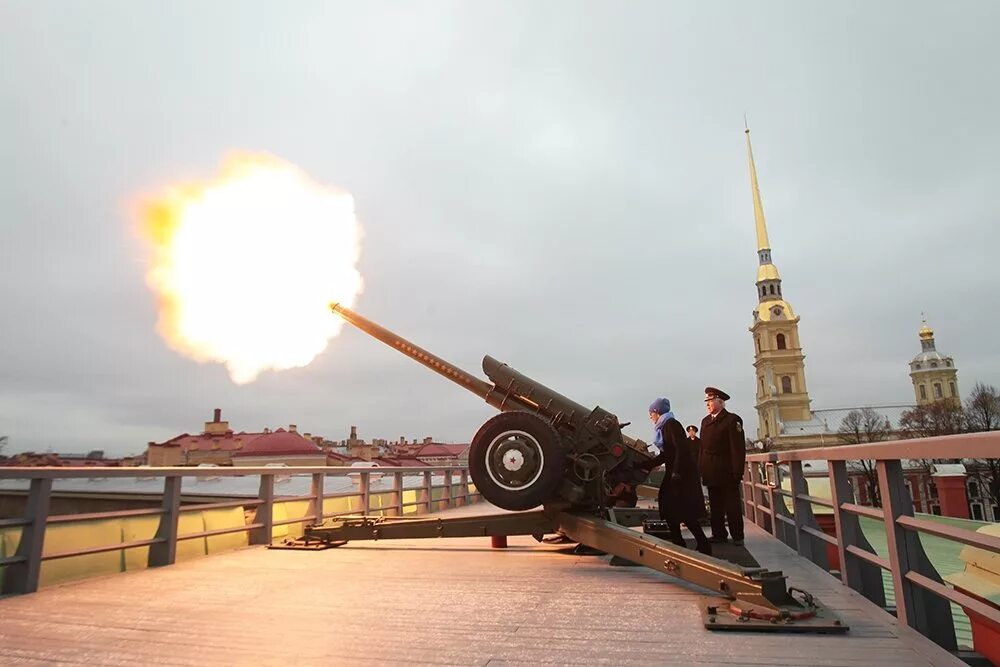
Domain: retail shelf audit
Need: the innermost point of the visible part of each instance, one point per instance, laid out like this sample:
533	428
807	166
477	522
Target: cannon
543	446
546	449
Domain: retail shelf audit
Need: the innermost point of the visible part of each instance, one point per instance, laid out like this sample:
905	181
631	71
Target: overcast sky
562	185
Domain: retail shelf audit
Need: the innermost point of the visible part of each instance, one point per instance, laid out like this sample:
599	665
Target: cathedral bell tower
778	359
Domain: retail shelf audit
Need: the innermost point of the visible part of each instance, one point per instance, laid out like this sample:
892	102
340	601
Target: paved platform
453	601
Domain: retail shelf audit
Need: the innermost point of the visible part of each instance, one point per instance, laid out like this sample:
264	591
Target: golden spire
758	208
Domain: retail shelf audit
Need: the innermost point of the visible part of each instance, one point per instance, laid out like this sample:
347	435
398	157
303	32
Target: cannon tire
517	461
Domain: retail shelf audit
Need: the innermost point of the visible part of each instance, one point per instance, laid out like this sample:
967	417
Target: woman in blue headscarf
680	496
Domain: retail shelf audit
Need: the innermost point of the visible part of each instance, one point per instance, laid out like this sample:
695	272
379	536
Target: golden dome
926	333
774	310
767	272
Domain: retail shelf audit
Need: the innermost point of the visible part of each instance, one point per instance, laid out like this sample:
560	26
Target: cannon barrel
464	379
511	390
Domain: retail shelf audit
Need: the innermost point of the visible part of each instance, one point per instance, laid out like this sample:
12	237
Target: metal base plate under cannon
747	599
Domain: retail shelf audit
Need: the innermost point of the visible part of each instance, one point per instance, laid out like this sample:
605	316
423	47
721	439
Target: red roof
439	449
401	461
333	458
279	443
204	442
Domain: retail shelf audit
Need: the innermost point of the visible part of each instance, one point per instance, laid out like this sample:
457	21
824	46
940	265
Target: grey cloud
560	185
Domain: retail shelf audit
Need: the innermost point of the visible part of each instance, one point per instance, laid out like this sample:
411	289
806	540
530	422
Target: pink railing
921	595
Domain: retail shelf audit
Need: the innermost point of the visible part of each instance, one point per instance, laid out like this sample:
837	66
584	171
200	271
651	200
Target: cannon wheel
516	461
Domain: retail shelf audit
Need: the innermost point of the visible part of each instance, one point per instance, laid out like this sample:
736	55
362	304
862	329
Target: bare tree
866	426
3	442
982	413
987	473
982	408
933	419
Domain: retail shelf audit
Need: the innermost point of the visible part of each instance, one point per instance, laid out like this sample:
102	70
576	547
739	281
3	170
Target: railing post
265	511
316	499
397	494
860	575
806	544
747	498
784	531
165	552
366	492
463	480
756	495
22	577
426	493
771	483
916	607
446	496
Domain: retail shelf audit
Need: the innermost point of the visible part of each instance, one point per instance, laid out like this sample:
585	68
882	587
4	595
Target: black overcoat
683	488
722	452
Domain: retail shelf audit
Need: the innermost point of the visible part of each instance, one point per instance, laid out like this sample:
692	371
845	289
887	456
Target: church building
933	374
784	416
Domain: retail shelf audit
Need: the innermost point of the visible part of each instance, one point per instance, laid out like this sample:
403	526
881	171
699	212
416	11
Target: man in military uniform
721	460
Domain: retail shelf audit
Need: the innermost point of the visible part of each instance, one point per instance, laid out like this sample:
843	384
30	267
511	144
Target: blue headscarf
660	406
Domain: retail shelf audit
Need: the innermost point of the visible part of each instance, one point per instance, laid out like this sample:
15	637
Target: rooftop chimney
293	428
216	426
354	433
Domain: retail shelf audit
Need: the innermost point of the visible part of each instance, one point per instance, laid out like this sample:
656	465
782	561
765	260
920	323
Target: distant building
933	374
438	454
280	447
783	405
785	418
92	459
358	448
217	444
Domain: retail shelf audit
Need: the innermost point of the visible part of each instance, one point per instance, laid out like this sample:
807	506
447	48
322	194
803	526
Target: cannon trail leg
748	598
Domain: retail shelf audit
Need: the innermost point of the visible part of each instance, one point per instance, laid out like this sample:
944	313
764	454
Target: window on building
933	364
973	489
770	289
780	340
917	366
936	510
996	513
761	385
937	390
923	392
951	386
756	339
779	290
932	490
786	384
909	489
977	511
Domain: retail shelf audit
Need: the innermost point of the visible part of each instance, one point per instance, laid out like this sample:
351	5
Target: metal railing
21	571
921	596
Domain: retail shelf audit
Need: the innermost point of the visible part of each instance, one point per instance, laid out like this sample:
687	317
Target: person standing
680	495
721	461
694	444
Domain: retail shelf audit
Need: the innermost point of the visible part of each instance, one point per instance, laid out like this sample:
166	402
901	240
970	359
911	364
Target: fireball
245	265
